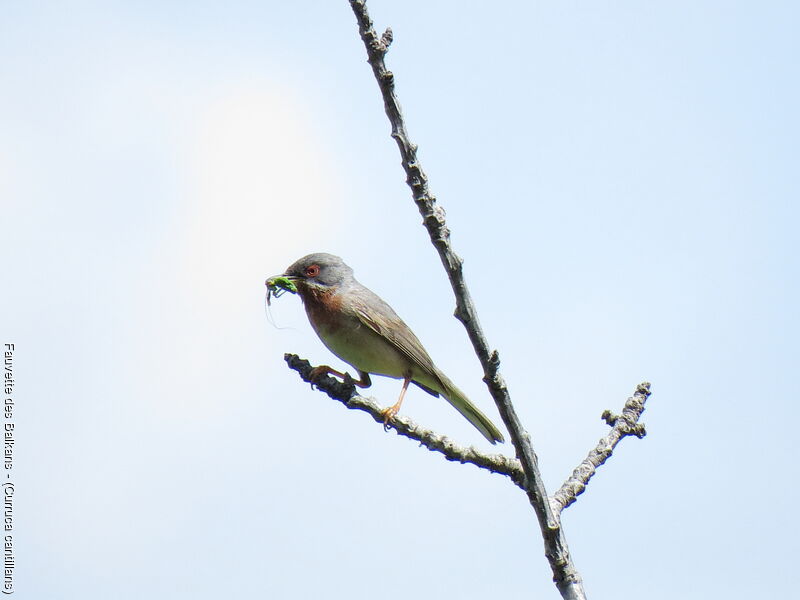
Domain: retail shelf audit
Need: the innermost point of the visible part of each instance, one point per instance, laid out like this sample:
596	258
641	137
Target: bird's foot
321	371
389	414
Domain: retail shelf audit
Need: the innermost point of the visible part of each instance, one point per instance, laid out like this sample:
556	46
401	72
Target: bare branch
565	574
621	426
345	392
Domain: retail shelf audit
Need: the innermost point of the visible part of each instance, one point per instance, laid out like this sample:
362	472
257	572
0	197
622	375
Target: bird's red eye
312	271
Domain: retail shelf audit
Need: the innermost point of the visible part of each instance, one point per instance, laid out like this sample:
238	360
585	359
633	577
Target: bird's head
319	271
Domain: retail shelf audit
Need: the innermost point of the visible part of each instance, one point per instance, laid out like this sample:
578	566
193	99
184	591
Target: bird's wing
385	322
392	328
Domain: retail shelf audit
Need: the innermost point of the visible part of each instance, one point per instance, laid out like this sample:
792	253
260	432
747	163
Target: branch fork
621	426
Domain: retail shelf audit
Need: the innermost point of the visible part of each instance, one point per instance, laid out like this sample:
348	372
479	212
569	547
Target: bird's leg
365	381
390	412
323	370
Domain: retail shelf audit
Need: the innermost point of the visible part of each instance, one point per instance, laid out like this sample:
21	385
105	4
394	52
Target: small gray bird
361	329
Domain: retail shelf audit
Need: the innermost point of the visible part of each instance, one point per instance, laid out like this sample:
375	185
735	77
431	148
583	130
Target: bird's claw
316	373
388	415
321	371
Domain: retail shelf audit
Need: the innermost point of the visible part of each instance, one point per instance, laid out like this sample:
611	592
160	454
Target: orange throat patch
323	307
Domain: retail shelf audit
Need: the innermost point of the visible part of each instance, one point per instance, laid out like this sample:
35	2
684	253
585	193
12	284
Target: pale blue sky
622	181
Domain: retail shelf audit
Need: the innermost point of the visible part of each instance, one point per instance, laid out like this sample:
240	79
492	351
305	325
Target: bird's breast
348	338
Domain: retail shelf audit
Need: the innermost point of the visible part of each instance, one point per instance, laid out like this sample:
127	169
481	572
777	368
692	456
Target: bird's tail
469	411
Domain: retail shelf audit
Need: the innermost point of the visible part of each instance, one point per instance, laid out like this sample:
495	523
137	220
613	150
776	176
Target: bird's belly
365	350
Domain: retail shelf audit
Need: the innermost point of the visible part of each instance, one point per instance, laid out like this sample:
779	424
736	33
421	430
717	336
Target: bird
360	328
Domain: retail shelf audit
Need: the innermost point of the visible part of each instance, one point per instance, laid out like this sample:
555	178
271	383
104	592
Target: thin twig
345	392
621	426
565	574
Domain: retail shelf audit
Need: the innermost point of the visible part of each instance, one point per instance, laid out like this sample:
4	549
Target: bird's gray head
320	270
